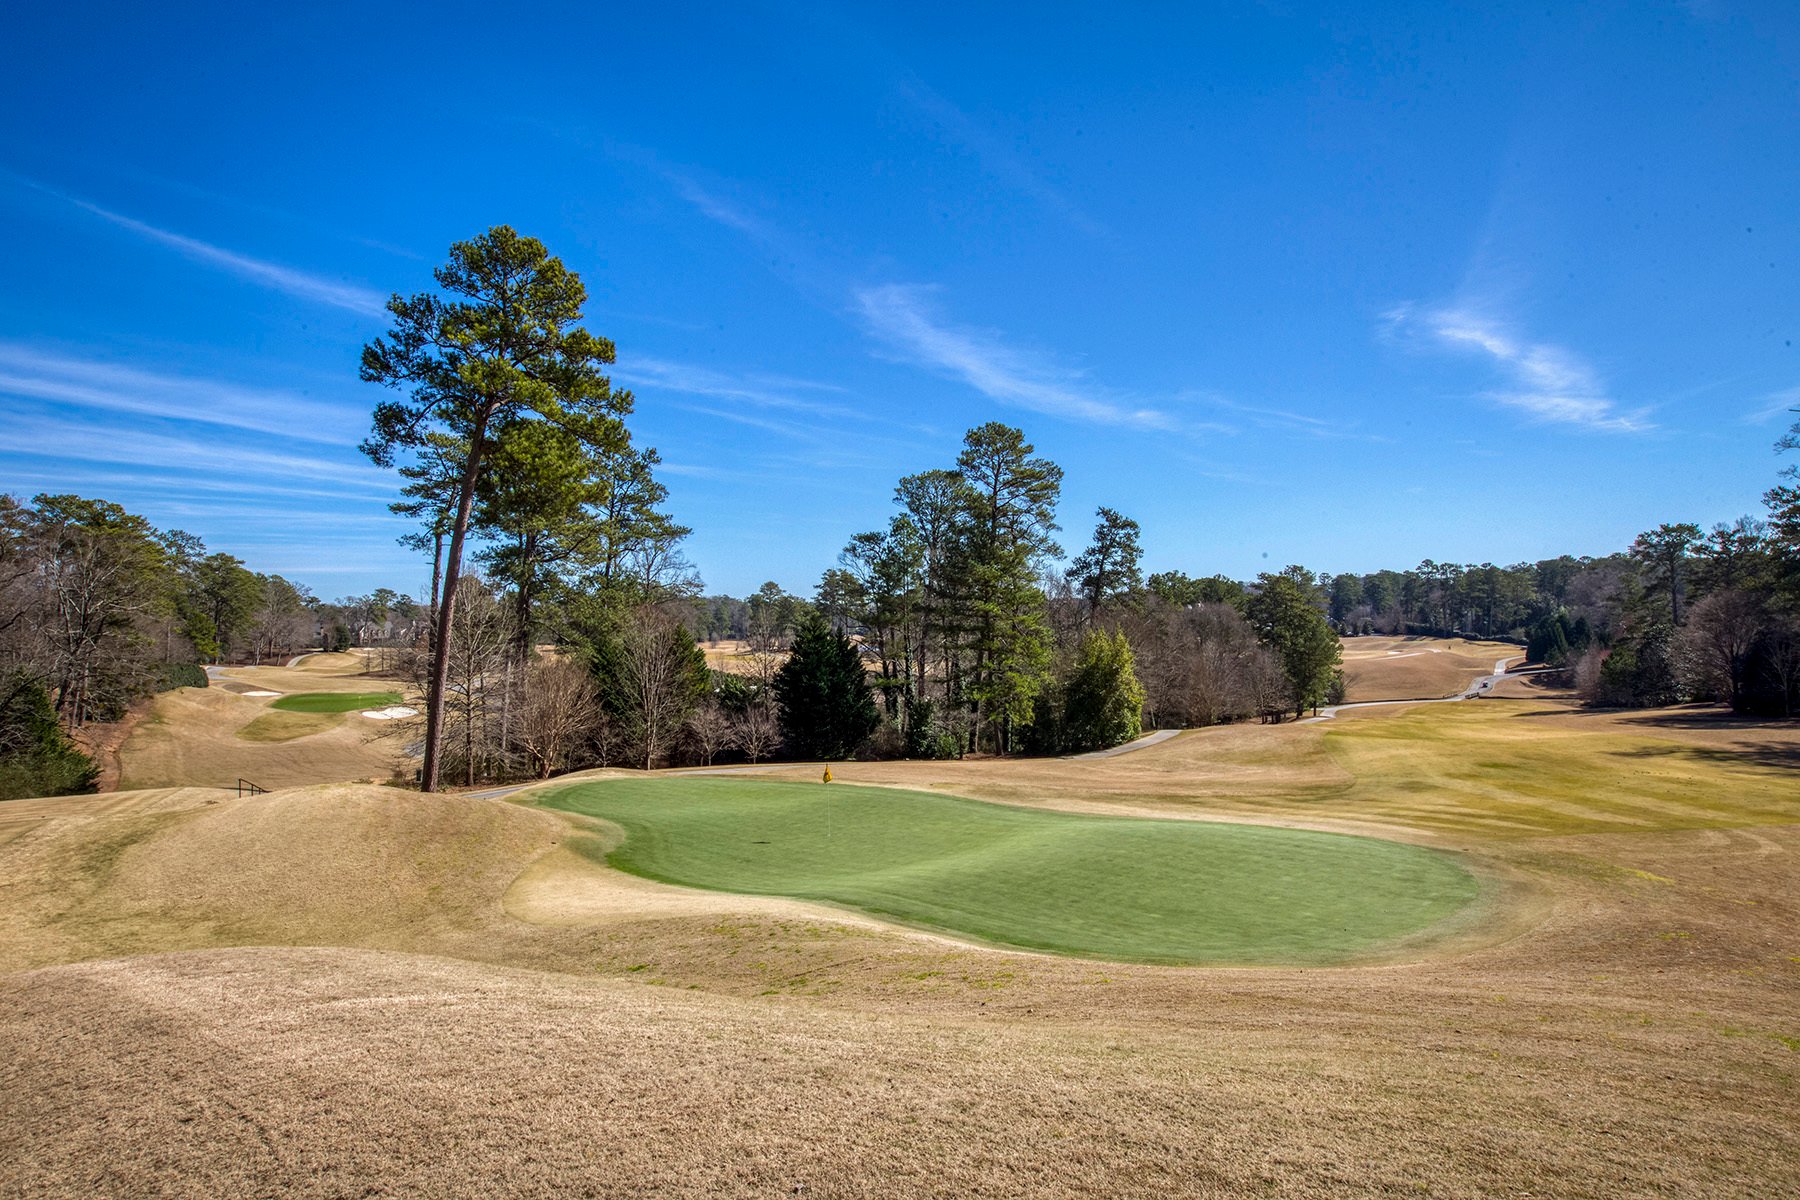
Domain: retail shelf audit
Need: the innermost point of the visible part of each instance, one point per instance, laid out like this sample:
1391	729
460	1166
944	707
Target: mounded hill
244	727
341	864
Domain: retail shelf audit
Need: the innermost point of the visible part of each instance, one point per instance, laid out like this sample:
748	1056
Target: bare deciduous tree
660	673
557	713
1713	648
480	644
711	730
758	730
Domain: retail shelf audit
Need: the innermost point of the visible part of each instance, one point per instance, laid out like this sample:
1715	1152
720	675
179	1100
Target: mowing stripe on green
330	702
1104	887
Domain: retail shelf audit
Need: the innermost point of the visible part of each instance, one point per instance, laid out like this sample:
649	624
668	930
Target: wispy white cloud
994	156
79	441
752	396
724	211
1547	382
902	316
272	212
1774	406
1227	473
1269	417
303	285
69	380
176	481
767	391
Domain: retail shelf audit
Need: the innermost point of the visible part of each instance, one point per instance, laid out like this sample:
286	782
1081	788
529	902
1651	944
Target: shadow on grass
1687	716
1768	754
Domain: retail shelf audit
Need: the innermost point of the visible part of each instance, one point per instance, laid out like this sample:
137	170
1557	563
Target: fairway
334	702
1105	887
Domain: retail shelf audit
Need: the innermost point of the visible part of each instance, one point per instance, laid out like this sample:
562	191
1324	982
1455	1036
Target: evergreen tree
36	757
1288	620
1104	702
1109	567
226	594
822	694
1011	499
499	346
1664	551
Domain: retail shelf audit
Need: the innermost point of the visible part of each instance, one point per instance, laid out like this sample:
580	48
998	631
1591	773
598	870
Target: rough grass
1103	887
286	726
334	702
341	864
326	1072
1500	769
383	993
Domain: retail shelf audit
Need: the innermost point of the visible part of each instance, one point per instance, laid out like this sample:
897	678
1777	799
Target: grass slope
334	702
1513	769
1109	887
286	726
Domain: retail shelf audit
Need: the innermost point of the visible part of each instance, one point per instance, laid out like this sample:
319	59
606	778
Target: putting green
334	702
1102	887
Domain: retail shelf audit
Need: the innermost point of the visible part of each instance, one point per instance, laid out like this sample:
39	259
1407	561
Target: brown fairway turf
389	994
1417	668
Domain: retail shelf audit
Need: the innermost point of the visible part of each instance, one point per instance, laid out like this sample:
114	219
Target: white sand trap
391	713
259	693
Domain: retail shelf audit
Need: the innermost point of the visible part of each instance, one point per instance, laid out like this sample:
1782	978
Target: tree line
1682	614
563	623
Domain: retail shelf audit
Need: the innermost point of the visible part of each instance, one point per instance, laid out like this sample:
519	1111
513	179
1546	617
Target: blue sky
1466	282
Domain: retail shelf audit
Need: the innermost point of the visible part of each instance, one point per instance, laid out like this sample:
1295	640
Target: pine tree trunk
440	652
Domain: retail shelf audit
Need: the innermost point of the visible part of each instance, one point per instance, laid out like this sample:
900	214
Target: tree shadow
1704	717
1688	716
1779	755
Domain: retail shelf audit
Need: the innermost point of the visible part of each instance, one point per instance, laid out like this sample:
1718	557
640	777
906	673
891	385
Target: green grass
1104	887
334	702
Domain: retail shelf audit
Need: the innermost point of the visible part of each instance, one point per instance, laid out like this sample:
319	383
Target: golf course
1561	940
1117	888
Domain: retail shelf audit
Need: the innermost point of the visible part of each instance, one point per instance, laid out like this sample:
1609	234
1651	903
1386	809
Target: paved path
1154	737
497	793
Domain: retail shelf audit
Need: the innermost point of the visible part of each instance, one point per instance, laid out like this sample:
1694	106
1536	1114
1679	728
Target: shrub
927	734
180	675
1104	703
36	757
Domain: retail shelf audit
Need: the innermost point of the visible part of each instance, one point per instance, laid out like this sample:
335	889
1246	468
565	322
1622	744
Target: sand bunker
259	693
392	713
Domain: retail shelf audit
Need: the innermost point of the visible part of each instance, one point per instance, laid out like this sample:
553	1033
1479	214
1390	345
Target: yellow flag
827	774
